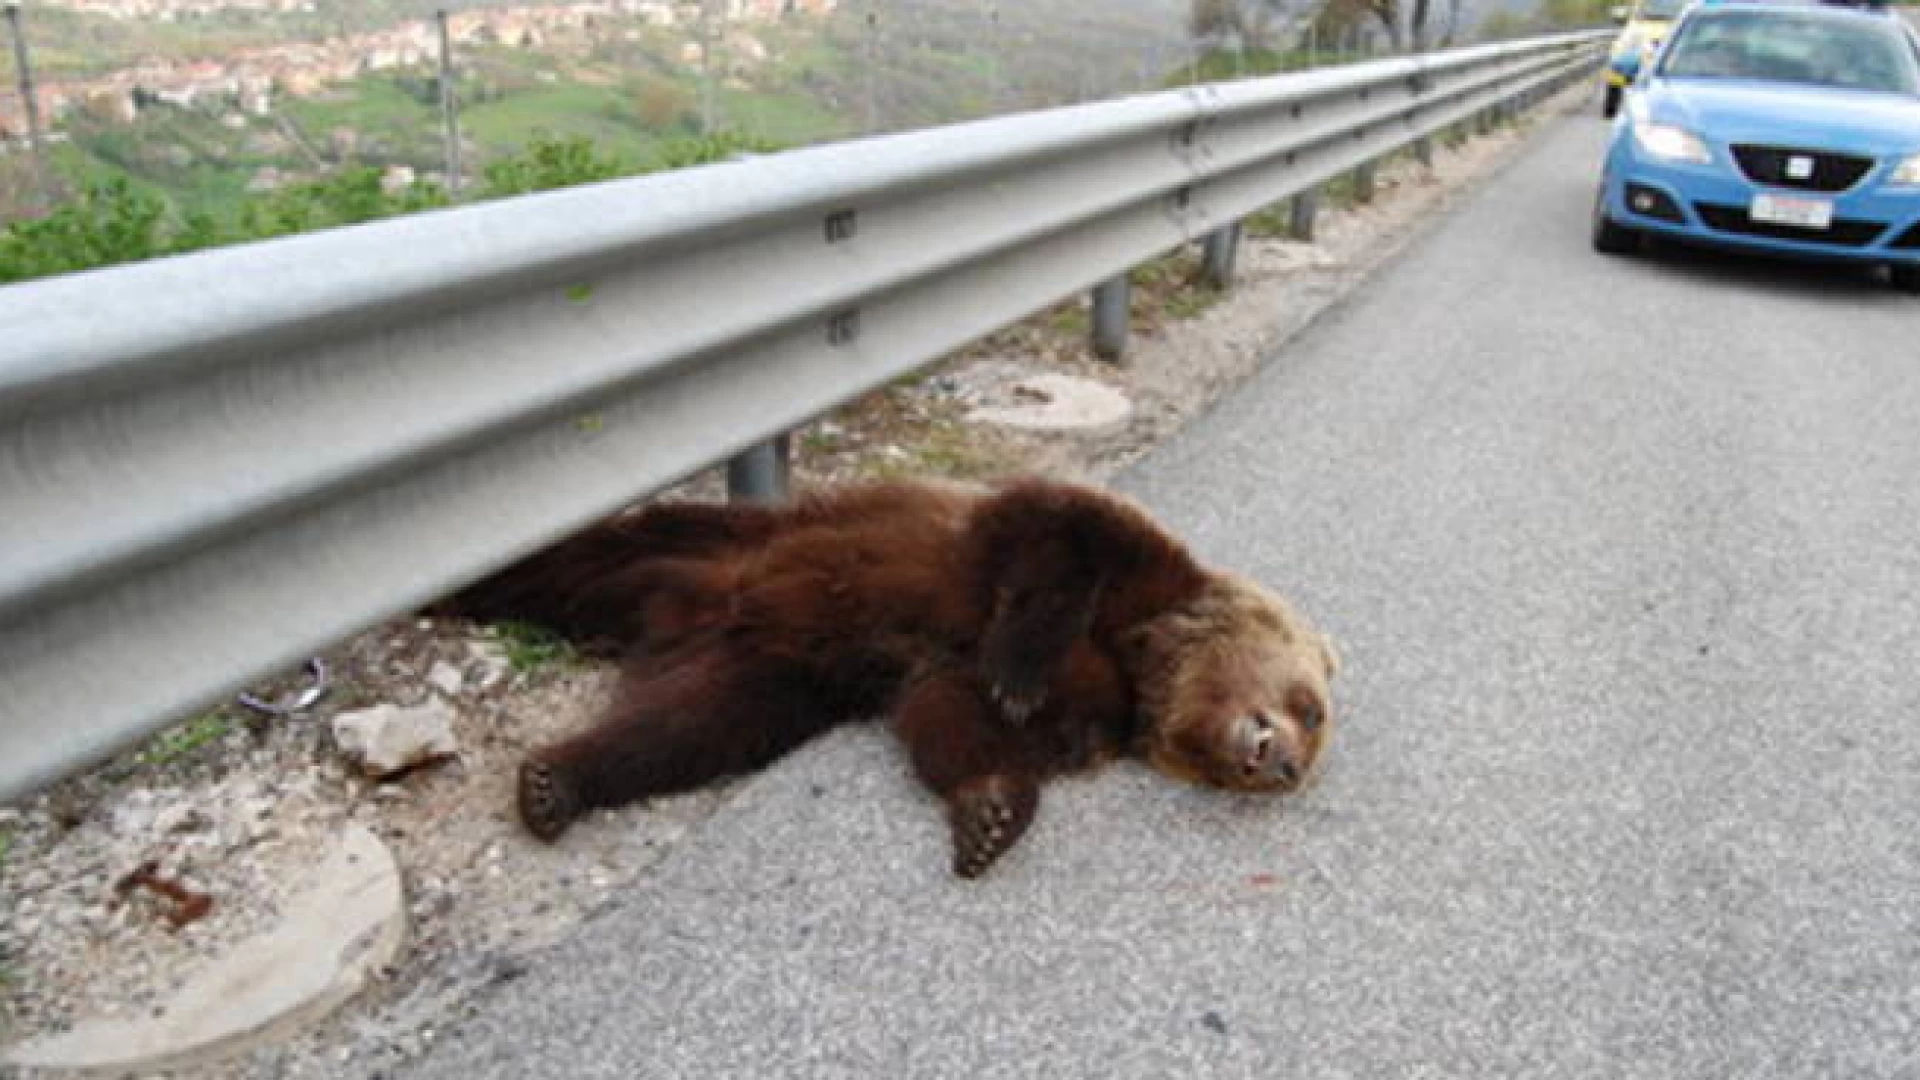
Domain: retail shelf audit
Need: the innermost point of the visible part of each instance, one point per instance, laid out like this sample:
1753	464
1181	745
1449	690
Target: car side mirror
1618	13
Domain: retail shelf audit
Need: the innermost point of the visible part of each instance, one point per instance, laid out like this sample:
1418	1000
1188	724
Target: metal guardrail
213	465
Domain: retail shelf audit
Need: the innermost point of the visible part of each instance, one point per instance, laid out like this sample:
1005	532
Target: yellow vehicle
1647	23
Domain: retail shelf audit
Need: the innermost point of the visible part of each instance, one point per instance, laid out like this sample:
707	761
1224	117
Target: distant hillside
627	84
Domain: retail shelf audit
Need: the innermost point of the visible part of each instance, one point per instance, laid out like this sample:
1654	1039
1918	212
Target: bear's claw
1018	702
988	817
548	802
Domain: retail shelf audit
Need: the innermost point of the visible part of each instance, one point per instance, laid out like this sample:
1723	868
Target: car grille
1831	172
1908	241
1845	232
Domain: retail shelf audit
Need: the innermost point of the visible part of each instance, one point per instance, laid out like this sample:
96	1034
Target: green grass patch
1271	222
1192	299
947	451
531	647
783	119
177	743
1070	320
370	103
601	114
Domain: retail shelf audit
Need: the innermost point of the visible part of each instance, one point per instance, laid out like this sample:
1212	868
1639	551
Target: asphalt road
1622	556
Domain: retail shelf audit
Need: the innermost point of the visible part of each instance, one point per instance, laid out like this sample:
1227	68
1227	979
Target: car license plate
1792	210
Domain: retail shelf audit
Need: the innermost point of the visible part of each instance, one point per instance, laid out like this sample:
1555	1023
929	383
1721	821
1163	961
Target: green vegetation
1271	221
1222	64
113	220
530	647
1173	284
552	163
178	742
584	105
949	450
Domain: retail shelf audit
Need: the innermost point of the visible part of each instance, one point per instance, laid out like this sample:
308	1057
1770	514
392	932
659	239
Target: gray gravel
1621	557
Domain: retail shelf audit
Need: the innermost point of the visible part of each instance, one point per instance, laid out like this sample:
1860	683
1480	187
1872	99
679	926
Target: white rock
135	814
445	678
494	664
387	739
181	817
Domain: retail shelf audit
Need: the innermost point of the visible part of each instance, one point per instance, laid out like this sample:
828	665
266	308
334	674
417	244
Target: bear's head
1233	689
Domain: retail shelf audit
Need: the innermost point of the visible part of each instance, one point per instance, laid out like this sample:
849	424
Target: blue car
1778	128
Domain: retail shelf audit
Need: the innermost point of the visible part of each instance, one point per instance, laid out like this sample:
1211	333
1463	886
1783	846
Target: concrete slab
1053	402
346	924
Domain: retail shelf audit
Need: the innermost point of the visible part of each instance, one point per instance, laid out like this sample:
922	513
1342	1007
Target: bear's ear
1330	655
1135	643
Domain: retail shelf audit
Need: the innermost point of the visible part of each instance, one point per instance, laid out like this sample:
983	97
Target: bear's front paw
548	801
988	817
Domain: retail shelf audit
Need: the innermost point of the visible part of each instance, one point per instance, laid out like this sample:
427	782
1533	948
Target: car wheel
1906	277
1610	104
1610	236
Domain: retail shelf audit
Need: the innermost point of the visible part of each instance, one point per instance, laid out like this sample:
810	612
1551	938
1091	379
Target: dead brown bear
1011	633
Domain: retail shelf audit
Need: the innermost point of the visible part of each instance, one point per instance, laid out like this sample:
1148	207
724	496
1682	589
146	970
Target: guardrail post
1112	304
1222	250
1363	181
1423	152
762	473
1303	209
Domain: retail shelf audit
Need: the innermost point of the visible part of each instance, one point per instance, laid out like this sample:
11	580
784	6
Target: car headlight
1670	143
1907	172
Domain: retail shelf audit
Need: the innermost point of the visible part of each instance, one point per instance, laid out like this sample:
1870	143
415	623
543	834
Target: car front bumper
1708	204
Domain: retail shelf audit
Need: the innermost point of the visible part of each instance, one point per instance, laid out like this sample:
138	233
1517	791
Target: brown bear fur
1011	633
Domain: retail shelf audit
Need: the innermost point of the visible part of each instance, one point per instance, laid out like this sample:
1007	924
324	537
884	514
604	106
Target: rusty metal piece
189	906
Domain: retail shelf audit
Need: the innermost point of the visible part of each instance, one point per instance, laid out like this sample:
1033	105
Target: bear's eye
1304	706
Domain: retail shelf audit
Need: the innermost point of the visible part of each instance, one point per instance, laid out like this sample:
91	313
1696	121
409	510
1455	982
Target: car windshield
1660	9
1796	47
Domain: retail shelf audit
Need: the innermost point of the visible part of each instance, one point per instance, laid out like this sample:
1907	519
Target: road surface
1624	556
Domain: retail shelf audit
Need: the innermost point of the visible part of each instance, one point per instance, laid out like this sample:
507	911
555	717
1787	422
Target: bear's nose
1268	752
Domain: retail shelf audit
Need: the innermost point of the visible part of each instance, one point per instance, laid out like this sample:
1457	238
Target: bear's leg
591	588
710	710
979	768
1056	561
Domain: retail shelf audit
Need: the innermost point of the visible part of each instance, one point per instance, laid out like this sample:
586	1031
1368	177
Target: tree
1249	24
551	162
1419	23
662	105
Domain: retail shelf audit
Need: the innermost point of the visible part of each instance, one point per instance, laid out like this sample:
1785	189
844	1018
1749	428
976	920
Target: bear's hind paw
548	802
